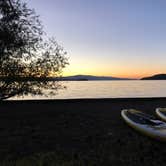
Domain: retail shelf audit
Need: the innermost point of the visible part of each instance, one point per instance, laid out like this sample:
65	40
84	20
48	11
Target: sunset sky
122	38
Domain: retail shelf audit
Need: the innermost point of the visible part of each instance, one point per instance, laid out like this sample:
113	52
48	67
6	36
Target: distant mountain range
82	78
98	78
155	77
90	78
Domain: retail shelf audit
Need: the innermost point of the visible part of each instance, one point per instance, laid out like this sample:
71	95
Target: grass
50	159
76	133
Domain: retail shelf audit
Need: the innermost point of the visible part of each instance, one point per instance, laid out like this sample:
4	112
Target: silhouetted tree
26	60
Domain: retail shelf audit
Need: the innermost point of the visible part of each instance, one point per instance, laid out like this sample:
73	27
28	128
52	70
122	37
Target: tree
27	61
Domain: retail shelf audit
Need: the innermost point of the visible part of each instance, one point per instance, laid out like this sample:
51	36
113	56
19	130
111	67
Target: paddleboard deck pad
161	113
145	124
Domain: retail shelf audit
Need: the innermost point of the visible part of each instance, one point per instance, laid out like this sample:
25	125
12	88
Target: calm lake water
108	89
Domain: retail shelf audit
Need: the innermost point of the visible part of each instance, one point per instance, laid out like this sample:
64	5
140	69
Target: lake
108	89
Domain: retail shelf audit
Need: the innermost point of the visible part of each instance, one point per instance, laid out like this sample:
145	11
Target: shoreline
90	128
85	99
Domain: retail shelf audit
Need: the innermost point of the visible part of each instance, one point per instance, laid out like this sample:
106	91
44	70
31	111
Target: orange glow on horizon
119	75
112	70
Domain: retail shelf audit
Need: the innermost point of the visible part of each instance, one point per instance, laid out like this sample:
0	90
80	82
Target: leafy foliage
26	60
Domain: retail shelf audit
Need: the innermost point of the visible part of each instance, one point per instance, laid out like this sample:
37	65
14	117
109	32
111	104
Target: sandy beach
80	131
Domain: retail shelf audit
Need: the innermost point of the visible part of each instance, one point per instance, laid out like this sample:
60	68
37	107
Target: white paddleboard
145	124
161	113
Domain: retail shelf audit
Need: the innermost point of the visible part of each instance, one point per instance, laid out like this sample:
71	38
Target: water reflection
108	89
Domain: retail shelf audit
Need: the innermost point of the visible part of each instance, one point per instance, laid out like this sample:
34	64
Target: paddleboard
145	124
161	113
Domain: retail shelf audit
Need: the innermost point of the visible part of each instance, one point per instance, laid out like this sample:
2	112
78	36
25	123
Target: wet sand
89	128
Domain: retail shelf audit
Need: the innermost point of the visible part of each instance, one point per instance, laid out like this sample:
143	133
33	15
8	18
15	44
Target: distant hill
155	77
69	78
90	78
